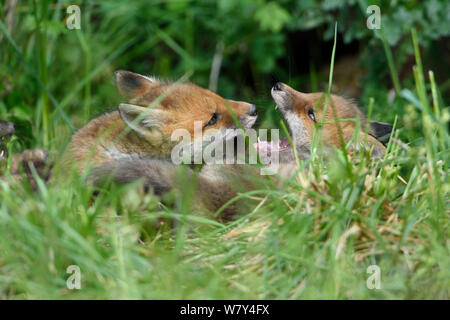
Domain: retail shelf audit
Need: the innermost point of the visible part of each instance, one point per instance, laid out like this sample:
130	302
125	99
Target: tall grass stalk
392	70
40	14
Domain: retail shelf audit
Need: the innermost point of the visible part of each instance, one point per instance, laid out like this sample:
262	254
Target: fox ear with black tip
133	85
381	131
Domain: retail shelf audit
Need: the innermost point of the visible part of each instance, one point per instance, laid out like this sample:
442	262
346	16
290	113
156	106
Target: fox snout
248	118
252	111
281	96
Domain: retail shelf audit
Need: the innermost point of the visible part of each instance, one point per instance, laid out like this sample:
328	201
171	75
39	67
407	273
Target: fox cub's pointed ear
140	119
132	85
380	130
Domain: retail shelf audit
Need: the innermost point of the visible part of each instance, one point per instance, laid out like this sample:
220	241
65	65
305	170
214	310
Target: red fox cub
217	184
303	110
137	130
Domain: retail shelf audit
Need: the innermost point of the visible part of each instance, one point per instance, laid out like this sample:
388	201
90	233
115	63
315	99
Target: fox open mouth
267	147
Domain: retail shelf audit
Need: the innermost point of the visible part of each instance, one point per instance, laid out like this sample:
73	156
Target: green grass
312	238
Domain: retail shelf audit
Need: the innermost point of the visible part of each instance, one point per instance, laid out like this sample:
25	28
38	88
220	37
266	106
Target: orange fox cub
143	126
302	111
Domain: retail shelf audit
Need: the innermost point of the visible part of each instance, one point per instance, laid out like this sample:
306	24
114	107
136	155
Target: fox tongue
263	146
268	146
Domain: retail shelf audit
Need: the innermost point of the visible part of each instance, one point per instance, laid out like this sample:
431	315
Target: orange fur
338	108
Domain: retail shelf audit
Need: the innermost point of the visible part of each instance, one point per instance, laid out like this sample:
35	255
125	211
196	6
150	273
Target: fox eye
213	120
311	114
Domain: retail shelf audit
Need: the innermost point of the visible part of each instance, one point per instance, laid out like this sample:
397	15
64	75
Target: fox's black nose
278	86
253	112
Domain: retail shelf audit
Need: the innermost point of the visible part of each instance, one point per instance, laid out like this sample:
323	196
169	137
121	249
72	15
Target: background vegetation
312	240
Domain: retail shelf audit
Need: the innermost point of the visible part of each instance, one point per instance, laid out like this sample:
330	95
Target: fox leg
156	173
213	187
